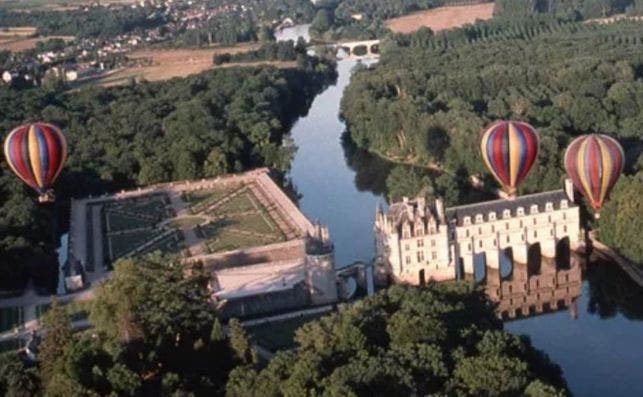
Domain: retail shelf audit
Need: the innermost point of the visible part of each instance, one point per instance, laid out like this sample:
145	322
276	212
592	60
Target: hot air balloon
509	149
36	153
594	162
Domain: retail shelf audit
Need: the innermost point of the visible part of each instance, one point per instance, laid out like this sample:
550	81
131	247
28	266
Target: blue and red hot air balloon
36	153
594	162
509	149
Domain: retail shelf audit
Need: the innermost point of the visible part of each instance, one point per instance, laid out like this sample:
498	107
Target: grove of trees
98	22
443	339
154	332
221	121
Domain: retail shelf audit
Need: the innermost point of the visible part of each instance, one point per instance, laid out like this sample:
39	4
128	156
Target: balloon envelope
509	149
594	162
36	153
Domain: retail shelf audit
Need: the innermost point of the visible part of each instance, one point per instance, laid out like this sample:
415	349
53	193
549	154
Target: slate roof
498	206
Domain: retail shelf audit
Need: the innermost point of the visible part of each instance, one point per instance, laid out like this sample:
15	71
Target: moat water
598	342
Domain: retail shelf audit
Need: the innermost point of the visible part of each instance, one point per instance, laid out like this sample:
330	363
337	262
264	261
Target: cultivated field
169	63
21	38
441	18
56	5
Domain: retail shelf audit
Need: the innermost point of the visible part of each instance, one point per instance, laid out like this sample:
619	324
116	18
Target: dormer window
467	220
533	209
479	218
492	216
520	211
549	206
506	214
563	203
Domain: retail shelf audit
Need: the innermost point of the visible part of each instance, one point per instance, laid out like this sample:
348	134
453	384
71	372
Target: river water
599	346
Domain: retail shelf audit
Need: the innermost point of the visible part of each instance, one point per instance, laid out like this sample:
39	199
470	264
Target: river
600	350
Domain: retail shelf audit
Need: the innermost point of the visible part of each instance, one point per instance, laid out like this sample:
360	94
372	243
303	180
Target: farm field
55	5
441	18
168	63
21	38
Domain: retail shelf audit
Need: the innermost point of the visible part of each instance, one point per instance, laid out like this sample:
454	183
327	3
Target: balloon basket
46	197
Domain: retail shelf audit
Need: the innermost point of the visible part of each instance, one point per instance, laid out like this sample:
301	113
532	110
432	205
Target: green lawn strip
198	200
185	222
126	242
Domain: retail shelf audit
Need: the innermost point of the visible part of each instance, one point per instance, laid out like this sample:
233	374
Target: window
521	224
467	233
495	243
493	228
492	216
406	233
408	260
478	218
506	214
432	243
549	219
479	230
406	247
506	225
469	247
419	231
563	203
420	243
480	243
420	256
467	220
564	215
533	209
551	232
521	211
535	221
507	238
565	228
434	255
535	234
549	207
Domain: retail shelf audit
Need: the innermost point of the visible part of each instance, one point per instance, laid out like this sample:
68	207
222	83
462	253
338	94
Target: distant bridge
365	49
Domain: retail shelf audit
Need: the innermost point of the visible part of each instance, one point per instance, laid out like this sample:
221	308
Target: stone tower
320	267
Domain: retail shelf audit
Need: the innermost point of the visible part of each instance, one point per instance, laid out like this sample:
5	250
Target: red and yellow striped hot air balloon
594	162
509	149
36	153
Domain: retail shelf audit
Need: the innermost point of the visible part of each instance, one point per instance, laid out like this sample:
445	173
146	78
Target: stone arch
563	253
506	263
534	259
479	268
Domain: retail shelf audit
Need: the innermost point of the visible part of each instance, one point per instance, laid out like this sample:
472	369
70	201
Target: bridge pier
492	259
520	253
548	247
467	263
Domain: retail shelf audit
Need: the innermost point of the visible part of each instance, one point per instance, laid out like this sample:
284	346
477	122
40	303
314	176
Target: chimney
439	209
569	189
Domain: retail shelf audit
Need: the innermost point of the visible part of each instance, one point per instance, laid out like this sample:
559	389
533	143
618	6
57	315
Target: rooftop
498	206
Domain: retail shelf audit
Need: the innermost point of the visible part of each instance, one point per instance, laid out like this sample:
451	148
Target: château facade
417	242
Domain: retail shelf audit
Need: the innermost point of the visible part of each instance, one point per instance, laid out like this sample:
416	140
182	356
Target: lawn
185	222
199	200
127	241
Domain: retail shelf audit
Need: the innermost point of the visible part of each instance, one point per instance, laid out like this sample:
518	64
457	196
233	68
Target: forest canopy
429	97
440	340
225	120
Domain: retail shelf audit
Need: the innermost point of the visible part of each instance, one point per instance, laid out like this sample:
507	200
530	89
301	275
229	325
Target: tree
620	223
58	336
440	340
16	380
